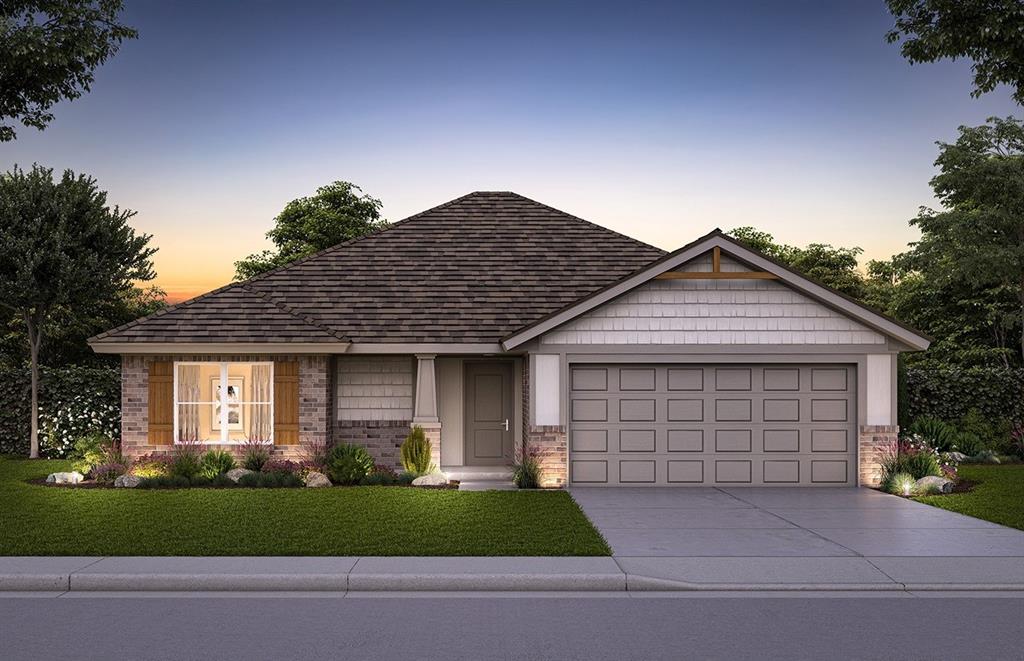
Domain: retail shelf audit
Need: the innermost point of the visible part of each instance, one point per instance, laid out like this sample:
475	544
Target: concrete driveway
806	535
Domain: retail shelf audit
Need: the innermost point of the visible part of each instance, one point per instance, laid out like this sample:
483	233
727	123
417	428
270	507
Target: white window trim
224	431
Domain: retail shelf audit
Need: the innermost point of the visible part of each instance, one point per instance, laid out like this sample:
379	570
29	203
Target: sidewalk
576	574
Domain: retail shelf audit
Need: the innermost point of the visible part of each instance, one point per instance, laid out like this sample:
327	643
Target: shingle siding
374	388
713	312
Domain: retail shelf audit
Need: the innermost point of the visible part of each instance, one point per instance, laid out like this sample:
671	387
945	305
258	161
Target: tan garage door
712	425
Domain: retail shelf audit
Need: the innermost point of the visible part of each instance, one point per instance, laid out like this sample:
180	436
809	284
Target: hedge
72	400
948	393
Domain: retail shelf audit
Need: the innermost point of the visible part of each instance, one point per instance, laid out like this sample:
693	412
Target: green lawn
999	496
40	520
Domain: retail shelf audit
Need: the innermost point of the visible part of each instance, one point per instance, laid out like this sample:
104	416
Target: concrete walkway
798	539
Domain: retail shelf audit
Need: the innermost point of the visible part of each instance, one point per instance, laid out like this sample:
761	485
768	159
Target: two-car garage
726	424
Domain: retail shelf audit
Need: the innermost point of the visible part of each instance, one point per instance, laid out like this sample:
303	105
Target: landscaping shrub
164	482
150	466
314	456
216	462
91	450
73	401
254	455
405	477
913	459
186	460
901	484
379	479
935	433
416	452
988	434
281	466
1017	441
107	473
269	480
348	464
949	393
526	473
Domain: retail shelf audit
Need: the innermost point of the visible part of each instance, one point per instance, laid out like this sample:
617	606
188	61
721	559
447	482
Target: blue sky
659	120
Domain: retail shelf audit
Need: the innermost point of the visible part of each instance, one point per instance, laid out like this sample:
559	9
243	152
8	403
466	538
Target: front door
489	405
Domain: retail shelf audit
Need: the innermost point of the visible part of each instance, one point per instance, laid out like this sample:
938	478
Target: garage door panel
781	410
590	440
731	378
685	410
685	378
733	471
733	410
733	440
781	440
637	379
637	410
685	440
778	471
713	424
685	471
638	440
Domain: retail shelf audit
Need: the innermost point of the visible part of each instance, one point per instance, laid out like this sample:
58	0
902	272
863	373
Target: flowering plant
64	422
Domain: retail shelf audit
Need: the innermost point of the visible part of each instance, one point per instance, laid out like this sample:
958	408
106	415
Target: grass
998	496
40	520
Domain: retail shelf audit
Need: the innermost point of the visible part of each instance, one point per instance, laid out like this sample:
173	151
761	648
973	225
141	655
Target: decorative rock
431	480
235	474
933	484
958	457
73	477
315	479
127	481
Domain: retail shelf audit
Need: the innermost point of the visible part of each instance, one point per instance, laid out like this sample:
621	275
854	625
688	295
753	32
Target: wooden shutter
286	403
161	403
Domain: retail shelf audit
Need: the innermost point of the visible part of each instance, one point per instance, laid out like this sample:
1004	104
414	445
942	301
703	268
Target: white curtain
188	393
261	392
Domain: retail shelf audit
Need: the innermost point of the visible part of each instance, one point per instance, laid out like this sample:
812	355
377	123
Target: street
512	626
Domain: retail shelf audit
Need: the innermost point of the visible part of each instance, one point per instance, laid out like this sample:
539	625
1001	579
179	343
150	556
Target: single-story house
498	323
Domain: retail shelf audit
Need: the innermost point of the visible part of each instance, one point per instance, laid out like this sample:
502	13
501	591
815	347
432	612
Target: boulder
958	457
73	477
127	481
315	479
431	480
235	474
933	484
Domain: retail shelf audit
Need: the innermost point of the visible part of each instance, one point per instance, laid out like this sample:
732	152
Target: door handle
506	424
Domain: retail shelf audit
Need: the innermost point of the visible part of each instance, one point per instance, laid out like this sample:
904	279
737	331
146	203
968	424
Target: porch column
425	406
545	431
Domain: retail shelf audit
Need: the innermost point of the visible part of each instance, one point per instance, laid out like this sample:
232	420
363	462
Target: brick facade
553	452
381	438
874	442
314	400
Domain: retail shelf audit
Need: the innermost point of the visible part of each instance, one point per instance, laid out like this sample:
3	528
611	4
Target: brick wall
874	443
381	438
551	443
314	400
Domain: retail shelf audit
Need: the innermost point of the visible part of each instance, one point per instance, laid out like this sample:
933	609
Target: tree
62	248
834	267
338	212
989	32
975	245
48	52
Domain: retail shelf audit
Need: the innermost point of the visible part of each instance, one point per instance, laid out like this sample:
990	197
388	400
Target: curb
405	574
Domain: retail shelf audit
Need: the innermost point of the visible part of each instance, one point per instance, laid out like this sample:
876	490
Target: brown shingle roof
472	270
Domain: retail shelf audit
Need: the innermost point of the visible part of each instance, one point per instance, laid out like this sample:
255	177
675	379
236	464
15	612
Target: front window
223	402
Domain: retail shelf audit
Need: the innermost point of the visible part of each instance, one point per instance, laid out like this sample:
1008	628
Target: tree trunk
34	336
